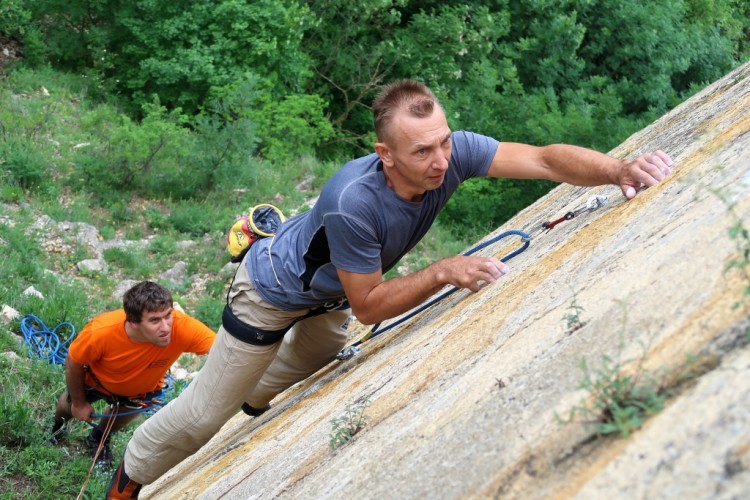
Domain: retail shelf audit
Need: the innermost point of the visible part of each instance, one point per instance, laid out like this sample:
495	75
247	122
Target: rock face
470	398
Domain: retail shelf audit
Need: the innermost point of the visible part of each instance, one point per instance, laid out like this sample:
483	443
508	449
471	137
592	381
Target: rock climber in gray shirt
291	299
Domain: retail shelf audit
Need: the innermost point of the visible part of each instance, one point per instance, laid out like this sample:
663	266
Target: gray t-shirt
358	225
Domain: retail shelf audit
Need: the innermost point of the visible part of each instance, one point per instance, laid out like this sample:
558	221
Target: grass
30	467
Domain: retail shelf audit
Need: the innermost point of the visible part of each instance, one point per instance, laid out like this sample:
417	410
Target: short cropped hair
145	296
410	95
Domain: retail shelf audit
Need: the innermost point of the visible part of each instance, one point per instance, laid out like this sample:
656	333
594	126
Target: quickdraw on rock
353	349
592	203
262	222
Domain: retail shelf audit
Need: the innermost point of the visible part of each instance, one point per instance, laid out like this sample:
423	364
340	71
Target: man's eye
421	152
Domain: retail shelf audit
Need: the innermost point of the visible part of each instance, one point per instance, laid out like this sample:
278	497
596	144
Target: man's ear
384	152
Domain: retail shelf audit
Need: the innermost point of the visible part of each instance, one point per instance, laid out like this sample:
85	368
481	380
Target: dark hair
144	297
410	95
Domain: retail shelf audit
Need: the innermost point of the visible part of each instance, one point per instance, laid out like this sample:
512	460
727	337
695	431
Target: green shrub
14	17
163	246
209	311
35	50
28	389
24	165
11	194
156	218
121	211
292	127
193	218
225	135
23	260
131	262
147	158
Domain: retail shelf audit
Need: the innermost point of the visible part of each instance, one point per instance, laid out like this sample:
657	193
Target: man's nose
440	163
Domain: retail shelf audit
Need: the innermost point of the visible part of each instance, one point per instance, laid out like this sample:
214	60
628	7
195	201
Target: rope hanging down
43	343
351	350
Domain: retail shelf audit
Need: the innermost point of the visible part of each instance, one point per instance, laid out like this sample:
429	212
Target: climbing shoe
121	486
59	430
254	412
104	456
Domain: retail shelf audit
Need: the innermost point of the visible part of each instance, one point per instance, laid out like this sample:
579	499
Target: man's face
415	156
155	327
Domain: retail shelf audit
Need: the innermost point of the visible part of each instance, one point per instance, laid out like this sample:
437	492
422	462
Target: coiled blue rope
349	351
43	343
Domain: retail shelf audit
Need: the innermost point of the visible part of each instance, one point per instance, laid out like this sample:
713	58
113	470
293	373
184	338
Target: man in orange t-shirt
123	355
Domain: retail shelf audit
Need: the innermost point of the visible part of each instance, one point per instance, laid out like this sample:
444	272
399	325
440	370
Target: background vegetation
160	121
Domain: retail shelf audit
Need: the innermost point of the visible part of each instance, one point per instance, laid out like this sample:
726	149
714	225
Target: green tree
14	17
177	50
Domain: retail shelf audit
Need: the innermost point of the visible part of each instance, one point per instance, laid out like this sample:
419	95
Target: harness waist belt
249	334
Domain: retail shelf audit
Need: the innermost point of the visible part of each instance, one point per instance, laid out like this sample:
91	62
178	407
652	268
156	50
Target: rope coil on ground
43	343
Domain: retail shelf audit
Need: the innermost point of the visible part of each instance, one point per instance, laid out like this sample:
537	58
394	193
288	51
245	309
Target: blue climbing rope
352	349
43	343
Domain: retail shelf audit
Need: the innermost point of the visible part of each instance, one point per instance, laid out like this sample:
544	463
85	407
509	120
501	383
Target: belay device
262	221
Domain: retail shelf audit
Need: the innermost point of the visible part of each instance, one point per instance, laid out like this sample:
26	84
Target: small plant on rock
353	420
618	404
573	317
740	235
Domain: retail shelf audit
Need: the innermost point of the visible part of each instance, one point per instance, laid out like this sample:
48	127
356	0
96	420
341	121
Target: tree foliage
588	72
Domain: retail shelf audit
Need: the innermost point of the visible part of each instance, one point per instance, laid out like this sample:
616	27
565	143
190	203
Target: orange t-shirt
132	369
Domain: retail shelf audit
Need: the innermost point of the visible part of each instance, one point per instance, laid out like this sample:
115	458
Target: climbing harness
262	222
133	406
353	349
592	203
43	343
148	404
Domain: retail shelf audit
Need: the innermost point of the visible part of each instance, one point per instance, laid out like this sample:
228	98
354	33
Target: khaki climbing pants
235	372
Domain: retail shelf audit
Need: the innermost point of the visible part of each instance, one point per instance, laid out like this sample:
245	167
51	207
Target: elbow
364	317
